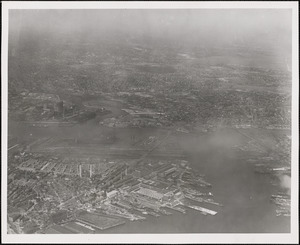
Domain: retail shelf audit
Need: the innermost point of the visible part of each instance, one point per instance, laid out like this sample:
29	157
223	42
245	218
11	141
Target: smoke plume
285	182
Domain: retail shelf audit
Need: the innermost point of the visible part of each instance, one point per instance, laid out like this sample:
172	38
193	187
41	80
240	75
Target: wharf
203	210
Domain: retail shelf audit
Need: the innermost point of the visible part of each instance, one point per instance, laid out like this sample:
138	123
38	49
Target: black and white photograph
150	122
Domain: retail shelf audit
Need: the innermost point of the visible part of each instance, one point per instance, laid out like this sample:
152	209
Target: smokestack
80	171
91	172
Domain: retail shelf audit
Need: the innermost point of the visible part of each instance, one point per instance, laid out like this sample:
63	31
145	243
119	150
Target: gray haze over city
149	121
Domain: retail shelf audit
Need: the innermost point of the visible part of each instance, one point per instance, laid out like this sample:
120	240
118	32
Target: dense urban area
104	133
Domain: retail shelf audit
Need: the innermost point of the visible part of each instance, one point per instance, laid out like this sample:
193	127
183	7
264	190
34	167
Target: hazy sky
211	25
240	20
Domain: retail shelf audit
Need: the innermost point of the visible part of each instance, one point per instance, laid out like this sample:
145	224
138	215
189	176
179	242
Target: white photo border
292	237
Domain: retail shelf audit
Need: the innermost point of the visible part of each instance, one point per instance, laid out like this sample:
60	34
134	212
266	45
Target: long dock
12	147
203	210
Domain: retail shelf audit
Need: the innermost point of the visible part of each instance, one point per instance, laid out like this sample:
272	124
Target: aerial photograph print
149	120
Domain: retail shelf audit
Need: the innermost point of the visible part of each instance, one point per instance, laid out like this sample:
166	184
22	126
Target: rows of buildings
52	201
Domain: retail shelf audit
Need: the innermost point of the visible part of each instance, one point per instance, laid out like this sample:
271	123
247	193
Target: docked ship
176	208
196	193
180	209
153	214
165	212
200	199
